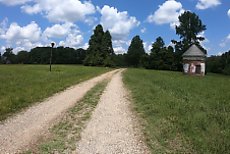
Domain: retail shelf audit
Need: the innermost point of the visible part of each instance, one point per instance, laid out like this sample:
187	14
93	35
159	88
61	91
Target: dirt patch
112	125
21	131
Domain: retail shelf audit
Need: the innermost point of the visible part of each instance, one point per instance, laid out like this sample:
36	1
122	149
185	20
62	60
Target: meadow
182	114
23	85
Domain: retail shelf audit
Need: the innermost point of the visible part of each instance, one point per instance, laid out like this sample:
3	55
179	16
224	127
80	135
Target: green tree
61	55
155	59
107	49
23	57
135	52
81	54
100	48
120	60
93	56
0	57
9	57
180	48
219	64
157	45
225	62
188	29
161	57
168	58
213	64
107	46
40	55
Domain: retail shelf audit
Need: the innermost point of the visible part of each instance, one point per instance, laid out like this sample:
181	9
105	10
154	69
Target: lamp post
51	54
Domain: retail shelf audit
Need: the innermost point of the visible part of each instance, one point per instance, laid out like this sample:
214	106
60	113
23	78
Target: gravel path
112	127
19	132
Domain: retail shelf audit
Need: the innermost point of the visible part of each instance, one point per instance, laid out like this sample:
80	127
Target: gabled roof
194	51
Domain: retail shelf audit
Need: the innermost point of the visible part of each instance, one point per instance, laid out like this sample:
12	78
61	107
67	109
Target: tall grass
182	114
21	85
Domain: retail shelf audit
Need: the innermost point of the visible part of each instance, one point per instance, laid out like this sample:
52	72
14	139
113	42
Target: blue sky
25	24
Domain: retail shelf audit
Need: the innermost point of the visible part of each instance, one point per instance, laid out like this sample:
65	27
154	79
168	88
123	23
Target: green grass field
182	114
22	85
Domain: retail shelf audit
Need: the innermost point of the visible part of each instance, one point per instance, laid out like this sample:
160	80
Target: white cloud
205	4
228	37
59	30
147	47
3	26
202	34
61	11
85	46
220	53
229	13
26	45
72	40
69	34
222	44
118	23
167	13
205	42
14	2
143	30
2	50
119	50
31	9
121	46
25	37
121	42
225	41
16	33
31	35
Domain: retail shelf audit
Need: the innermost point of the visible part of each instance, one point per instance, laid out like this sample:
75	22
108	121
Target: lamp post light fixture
51	54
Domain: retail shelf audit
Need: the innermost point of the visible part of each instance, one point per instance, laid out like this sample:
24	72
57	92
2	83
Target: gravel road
112	128
19	132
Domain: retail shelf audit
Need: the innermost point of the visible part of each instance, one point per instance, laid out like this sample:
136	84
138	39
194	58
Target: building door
198	69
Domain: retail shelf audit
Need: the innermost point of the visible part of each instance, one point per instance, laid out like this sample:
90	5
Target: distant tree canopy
0	58
100	50
219	64
188	29
9	57
161	57
61	55
135	52
41	55
23	57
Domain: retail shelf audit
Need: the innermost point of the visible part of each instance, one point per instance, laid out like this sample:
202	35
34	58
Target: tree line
100	51
219	64
41	55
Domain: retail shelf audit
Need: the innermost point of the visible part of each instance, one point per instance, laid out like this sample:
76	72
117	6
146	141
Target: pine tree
107	49
94	50
188	29
100	50
135	52
0	57
9	56
161	57
107	43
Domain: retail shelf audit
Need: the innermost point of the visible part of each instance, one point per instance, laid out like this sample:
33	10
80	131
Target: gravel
112	127
24	129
